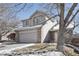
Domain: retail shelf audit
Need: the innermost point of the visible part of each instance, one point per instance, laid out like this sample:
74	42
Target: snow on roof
25	28
57	27
10	33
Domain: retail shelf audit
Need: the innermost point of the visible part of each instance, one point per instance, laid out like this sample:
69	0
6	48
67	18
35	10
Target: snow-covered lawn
33	49
44	49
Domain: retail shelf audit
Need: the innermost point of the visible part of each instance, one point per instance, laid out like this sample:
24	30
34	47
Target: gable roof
42	12
38	11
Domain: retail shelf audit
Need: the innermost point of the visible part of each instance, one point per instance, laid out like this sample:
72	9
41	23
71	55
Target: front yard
41	49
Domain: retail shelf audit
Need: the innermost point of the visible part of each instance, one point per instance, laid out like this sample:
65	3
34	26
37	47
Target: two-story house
38	29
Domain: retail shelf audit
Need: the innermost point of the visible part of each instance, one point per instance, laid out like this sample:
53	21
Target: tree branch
72	18
19	10
17	4
75	26
70	12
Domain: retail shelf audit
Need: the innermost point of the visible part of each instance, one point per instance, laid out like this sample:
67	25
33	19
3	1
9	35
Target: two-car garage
28	34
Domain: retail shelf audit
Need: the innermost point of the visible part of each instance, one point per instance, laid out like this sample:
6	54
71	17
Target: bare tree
61	29
6	22
63	21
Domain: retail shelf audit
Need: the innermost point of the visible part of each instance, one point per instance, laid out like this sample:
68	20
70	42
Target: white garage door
28	36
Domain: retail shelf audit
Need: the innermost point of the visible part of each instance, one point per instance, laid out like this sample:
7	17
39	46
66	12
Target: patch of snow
10	50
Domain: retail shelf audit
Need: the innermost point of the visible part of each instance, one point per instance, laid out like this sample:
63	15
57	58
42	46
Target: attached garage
28	34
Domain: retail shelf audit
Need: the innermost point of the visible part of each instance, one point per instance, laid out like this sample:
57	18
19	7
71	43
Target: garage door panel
28	36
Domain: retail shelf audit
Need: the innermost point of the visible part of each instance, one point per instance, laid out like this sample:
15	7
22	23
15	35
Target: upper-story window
38	20
27	22
24	23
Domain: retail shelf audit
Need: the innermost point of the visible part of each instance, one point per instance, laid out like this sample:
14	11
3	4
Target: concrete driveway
9	47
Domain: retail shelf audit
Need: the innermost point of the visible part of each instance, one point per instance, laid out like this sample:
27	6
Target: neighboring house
75	39
38	29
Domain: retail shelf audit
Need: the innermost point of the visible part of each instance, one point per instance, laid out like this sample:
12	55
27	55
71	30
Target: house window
34	22
24	23
41	18
27	23
38	20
